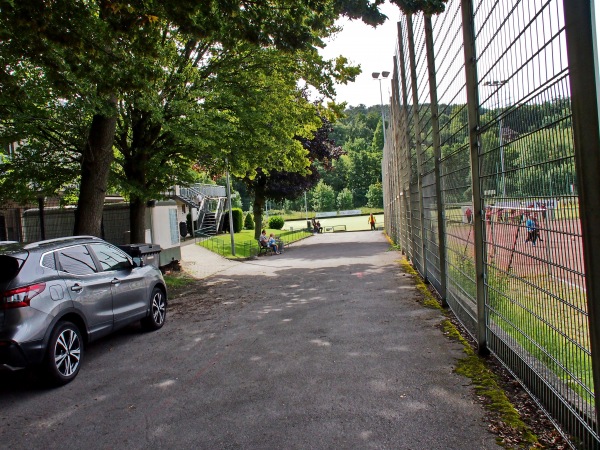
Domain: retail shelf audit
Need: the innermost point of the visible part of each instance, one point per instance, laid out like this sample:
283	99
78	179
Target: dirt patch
201	299
548	436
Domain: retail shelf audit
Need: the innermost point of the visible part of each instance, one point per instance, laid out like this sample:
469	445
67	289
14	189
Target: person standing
372	221
531	230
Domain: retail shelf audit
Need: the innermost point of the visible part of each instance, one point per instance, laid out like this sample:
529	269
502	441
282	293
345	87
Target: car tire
63	354
158	311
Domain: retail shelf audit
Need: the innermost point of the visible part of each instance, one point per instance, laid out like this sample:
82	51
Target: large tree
282	184
212	103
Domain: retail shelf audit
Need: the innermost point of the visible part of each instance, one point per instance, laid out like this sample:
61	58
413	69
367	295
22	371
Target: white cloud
371	48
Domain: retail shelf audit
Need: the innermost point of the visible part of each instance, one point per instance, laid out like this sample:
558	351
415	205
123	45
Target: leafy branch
425	6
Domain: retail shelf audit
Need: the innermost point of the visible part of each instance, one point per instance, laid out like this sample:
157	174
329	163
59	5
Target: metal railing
482	184
210	190
249	248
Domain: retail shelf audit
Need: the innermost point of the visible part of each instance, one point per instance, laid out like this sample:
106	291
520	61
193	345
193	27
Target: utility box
165	230
148	253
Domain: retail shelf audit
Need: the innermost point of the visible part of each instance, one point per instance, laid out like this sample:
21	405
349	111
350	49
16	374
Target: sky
371	48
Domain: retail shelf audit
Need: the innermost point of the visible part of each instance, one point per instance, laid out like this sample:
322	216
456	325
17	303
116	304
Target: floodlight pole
376	76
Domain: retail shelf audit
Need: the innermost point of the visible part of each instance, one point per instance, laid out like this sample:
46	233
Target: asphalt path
322	347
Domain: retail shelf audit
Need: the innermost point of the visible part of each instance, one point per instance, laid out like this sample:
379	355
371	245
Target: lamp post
376	76
498	84
305	206
231	228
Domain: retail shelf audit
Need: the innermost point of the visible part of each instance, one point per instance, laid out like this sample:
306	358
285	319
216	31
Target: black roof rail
65	239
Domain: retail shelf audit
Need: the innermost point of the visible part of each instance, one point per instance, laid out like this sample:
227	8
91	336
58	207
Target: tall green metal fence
484	187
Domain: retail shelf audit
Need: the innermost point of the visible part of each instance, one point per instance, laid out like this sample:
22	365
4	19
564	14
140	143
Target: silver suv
57	295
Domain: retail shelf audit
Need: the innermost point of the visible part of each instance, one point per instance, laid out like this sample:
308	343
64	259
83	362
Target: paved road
323	347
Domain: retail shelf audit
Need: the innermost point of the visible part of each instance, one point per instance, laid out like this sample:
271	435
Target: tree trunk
257	208
95	168
135	168
137	220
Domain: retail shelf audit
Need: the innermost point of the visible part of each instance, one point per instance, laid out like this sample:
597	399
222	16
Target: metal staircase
210	202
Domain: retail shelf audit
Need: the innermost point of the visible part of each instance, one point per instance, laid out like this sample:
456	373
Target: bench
264	249
334	228
269	250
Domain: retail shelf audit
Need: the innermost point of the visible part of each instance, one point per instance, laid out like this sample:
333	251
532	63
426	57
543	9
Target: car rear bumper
17	356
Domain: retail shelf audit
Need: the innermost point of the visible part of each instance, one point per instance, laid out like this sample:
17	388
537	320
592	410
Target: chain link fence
481	187
34	224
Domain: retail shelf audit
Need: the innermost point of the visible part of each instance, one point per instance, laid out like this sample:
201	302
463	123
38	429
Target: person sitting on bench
272	242
263	239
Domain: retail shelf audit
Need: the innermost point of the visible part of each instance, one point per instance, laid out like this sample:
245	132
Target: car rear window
9	267
48	261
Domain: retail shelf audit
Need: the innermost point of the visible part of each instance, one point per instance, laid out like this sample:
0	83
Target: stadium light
376	76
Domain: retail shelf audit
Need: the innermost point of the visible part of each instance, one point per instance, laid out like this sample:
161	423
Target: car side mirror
138	261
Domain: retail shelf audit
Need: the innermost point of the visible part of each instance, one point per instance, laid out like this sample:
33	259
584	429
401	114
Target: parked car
58	295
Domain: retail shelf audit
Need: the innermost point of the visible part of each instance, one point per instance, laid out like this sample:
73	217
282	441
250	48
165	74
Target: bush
238	220
344	199
375	196
323	197
276	222
249	222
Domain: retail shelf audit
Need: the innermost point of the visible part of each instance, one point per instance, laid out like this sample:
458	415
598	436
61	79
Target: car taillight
20	297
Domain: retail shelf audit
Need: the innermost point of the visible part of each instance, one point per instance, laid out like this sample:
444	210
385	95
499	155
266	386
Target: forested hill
360	122
355	180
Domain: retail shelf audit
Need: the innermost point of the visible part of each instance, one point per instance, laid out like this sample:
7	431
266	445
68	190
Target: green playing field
352	223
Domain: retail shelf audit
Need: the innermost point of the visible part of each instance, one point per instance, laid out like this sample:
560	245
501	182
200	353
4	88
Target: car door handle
115	281
77	288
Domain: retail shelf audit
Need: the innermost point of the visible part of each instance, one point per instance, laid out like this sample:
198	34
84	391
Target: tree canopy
86	70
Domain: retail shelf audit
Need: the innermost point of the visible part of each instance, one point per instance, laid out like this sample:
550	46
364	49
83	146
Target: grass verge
245	244
485	381
176	280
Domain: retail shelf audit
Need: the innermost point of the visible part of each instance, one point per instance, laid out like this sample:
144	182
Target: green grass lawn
353	223
294	230
301	215
245	244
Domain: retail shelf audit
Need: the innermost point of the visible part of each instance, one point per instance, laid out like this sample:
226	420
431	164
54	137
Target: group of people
533	233
317	228
271	241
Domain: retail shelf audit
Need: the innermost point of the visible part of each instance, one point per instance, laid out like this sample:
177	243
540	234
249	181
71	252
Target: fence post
407	201
396	153
468	24
435	126
417	122
583	68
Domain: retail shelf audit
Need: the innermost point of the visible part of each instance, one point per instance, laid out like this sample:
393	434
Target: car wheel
64	353
158	311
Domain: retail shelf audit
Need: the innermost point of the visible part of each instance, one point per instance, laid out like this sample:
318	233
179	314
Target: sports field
352	223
